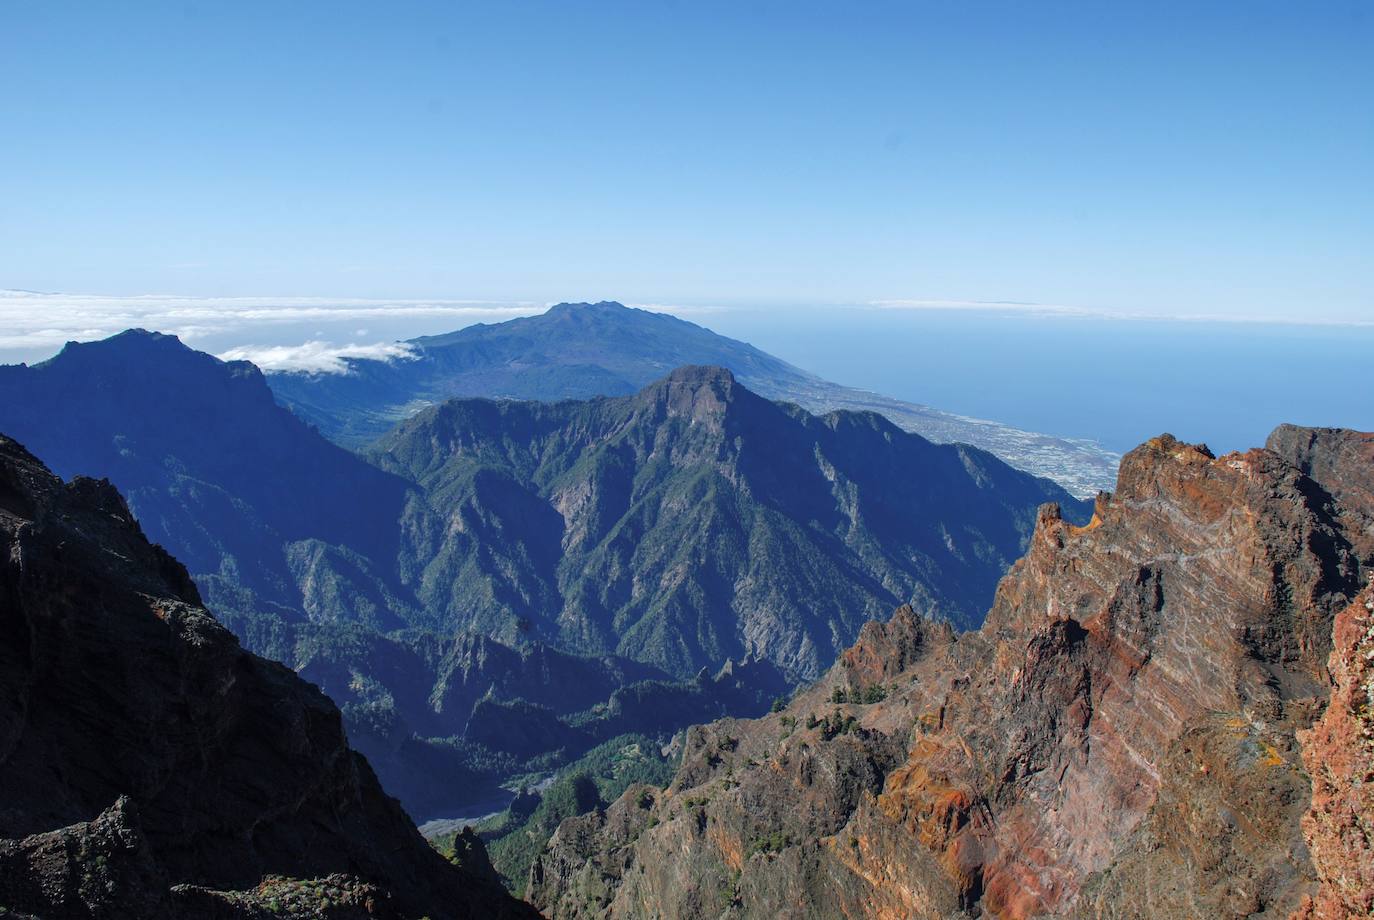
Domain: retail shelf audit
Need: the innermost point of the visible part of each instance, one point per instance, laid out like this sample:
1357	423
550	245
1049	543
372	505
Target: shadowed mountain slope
577	351
151	767
446	720
255	503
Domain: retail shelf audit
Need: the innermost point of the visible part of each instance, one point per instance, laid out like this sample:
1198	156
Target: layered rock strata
1120	739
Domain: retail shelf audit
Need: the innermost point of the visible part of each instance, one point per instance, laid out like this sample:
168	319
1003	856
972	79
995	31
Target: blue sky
1174	159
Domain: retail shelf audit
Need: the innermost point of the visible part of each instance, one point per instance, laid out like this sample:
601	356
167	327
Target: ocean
1118	381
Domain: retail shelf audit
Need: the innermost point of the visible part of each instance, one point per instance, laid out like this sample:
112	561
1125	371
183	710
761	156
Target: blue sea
1118	381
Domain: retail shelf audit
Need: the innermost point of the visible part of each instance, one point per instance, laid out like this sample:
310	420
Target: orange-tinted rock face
1339	754
1119	739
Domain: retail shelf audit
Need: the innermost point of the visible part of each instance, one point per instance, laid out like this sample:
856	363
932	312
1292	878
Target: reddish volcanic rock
1119	739
1339	754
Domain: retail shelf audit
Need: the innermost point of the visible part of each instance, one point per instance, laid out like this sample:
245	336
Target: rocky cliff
149	767
1120	739
1339	755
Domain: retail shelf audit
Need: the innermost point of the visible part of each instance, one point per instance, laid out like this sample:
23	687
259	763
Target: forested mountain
696	521
689	524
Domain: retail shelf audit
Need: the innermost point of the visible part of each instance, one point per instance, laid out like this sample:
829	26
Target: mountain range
1164	712
582	350
686	525
629	547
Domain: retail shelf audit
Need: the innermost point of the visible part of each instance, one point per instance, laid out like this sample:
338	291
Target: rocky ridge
1120	739
151	767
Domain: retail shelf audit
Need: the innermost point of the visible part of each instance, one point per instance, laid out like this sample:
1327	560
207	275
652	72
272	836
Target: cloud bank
315	357
34	323
288	333
38	319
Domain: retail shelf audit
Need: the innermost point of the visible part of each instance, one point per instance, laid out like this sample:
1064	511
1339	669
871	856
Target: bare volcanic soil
1130	734
151	768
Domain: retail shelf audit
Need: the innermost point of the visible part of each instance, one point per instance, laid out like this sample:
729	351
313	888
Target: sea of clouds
277	334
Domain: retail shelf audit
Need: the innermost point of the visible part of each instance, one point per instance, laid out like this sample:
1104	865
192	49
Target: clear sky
1164	158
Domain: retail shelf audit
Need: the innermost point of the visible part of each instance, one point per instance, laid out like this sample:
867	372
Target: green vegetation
513	853
515	837
836	724
874	694
315	897
772	842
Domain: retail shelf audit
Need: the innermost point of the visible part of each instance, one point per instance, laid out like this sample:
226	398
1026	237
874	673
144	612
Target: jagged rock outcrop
1120	739
1339	754
148	763
1338	459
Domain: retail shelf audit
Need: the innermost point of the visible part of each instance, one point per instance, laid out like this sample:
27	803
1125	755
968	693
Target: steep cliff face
1339	461
1119	739
149	766
1339	755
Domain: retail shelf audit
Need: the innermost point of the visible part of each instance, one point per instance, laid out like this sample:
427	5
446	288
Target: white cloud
315	357
38	320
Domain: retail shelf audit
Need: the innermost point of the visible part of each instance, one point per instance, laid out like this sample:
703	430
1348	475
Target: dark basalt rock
142	750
